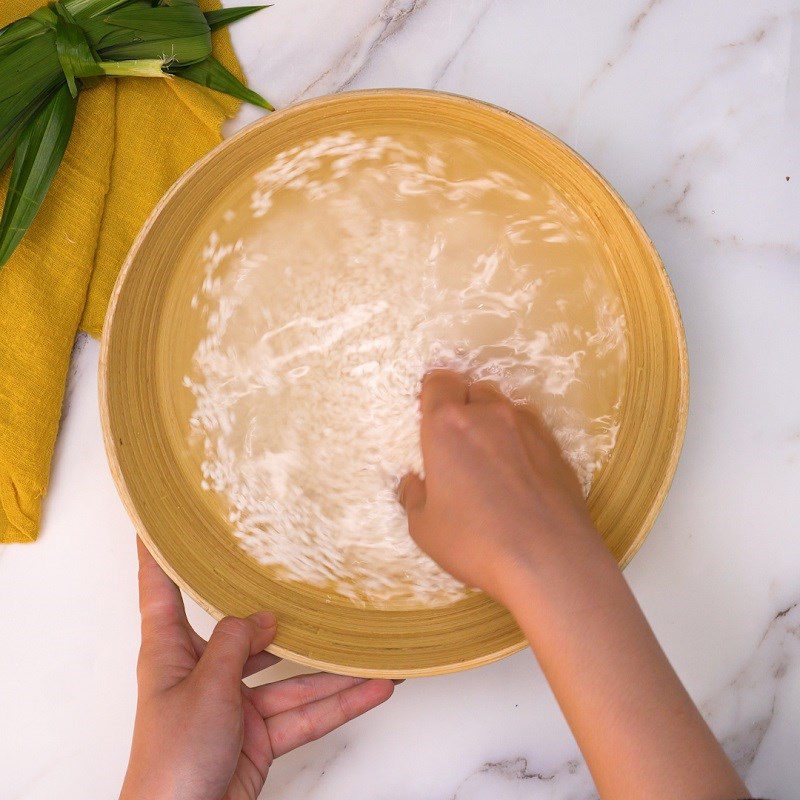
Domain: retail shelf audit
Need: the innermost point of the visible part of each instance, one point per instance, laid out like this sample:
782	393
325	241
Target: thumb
233	641
412	495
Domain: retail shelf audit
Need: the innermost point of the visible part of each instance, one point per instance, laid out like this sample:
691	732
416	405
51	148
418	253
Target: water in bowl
354	264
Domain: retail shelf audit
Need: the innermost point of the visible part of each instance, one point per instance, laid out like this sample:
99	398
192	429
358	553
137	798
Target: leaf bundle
49	56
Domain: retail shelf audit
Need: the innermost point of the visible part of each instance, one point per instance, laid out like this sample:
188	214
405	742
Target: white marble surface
691	108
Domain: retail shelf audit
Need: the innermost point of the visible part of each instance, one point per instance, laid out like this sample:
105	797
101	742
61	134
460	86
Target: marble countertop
691	109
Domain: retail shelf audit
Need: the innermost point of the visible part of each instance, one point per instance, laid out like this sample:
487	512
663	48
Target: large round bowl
145	340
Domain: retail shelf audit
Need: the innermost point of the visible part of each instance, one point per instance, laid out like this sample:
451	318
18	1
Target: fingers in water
411	493
442	387
484	392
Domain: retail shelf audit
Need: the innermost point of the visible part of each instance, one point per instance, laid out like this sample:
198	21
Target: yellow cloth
132	139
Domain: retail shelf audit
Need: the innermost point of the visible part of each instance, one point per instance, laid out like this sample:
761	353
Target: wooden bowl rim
103	374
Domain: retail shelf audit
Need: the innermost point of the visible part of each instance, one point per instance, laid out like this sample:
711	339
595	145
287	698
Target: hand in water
497	492
200	732
502	511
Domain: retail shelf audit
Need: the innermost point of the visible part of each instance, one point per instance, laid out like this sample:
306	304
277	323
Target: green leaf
84	9
39	152
8	141
212	74
166	21
227	16
174	3
175	33
44	16
21	31
9	136
74	52
30	72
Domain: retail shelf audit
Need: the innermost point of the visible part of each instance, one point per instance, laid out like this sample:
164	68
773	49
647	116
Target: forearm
640	733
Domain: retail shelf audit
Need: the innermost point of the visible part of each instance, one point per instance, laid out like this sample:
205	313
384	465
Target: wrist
143	781
566	573
134	788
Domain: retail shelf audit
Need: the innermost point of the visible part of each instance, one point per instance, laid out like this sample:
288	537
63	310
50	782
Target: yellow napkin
132	139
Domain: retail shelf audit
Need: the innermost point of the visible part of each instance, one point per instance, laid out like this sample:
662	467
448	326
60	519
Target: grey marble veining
692	111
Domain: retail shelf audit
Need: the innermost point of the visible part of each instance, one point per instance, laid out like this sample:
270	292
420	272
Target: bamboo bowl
188	534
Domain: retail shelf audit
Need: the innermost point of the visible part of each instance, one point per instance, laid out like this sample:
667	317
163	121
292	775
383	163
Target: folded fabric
132	139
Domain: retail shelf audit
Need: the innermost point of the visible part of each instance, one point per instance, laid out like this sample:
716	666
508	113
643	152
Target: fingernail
264	619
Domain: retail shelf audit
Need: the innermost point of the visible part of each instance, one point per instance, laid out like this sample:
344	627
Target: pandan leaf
8	141
84	9
9	136
39	152
23	30
227	16
27	74
174	2
74	52
44	16
165	21
175	33
212	74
